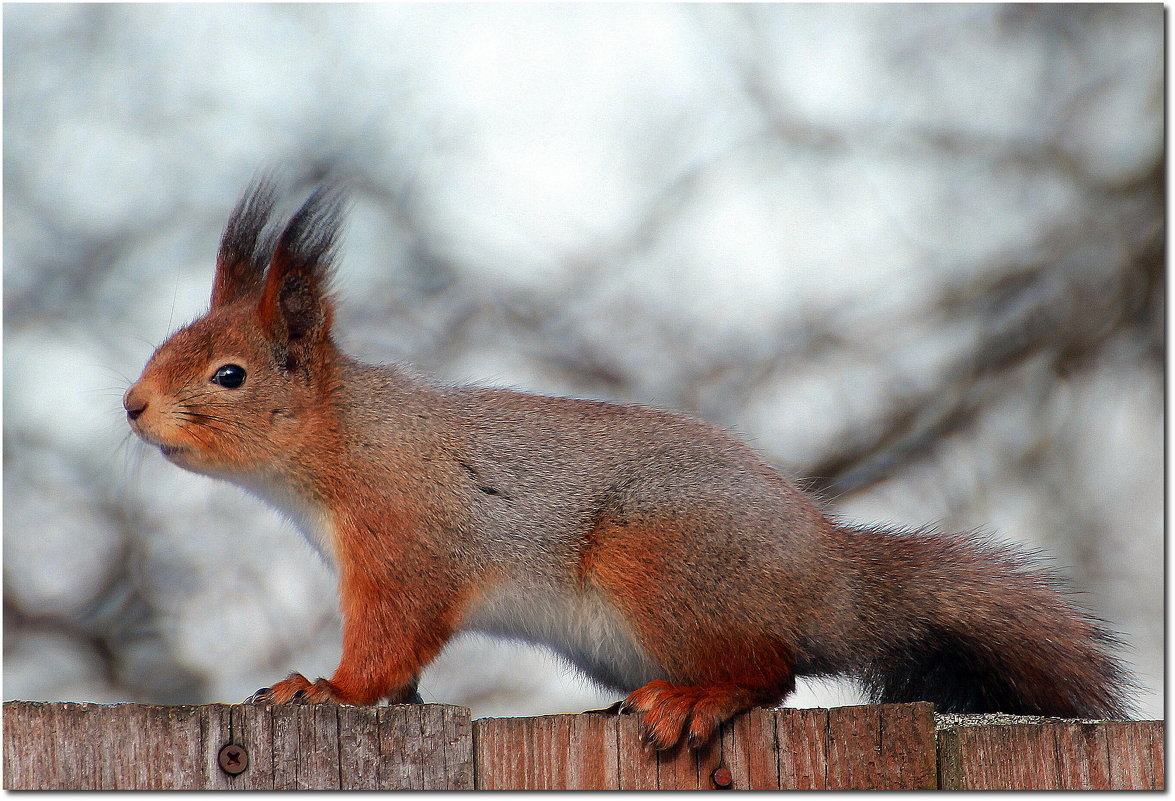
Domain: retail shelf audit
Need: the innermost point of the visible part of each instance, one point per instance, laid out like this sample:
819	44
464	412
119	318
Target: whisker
174	295
199	419
212	406
195	393
117	374
212	417
211	425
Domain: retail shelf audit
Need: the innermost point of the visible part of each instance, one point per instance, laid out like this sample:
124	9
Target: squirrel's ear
295	307
241	260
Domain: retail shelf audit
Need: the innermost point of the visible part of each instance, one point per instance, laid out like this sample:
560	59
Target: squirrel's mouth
167	450
170	450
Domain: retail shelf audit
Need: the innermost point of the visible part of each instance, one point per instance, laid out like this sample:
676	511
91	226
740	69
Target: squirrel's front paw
296	689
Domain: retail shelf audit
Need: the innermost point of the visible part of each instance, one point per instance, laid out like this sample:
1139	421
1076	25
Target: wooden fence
431	746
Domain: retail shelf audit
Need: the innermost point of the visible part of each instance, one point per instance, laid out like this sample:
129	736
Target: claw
617	708
690	713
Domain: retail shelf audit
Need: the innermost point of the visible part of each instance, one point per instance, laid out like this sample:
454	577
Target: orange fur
719	667
391	629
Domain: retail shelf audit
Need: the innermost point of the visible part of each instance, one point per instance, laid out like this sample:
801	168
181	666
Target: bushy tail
976	626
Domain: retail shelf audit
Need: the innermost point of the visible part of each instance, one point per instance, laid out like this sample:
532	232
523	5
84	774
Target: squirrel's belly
581	626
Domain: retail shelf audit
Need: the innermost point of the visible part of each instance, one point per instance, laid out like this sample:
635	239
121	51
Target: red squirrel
663	558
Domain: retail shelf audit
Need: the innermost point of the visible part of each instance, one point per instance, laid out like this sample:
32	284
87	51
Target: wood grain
1114	755
1135	755
750	750
636	766
553	752
802	735
135	747
886	747
1082	757
907	747
65	746
91	746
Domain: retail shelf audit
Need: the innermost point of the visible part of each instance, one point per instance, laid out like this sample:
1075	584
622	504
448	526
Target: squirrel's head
234	392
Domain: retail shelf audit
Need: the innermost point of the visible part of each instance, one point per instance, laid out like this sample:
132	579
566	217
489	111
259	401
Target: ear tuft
244	246
310	239
294	304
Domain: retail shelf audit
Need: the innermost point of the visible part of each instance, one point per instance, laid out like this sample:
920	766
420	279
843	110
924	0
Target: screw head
722	778
233	759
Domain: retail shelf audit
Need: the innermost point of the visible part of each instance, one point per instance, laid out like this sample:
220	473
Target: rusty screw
233	759
722	778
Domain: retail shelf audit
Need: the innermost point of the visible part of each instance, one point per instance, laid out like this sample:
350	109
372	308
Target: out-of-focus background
913	253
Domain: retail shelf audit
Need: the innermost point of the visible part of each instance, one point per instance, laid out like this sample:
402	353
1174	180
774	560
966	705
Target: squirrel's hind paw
695	711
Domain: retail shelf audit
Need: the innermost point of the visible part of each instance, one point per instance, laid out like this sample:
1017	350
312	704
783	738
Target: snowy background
914	253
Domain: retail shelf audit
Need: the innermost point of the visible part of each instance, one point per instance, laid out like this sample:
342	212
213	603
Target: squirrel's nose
134	403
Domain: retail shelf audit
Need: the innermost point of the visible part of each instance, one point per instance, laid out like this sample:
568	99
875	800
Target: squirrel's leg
390	633
717	664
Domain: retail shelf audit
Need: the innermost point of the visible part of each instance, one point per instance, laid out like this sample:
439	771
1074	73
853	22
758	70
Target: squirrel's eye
230	376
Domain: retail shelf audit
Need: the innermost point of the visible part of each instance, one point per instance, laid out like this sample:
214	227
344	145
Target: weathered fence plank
1136	755
907	743
1052	755
636	771
252	728
359	739
1083	757
750	751
128	746
803	749
886	747
853	748
90	746
591	752
132	747
521	753
456	759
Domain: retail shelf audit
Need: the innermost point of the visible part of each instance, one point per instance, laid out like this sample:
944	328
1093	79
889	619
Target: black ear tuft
295	303
310	239
245	245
